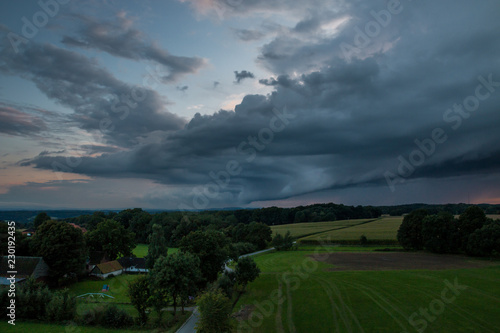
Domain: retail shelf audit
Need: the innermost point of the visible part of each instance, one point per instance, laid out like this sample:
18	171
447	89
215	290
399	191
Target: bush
363	240
108	315
113	317
31	300
61	307
283	243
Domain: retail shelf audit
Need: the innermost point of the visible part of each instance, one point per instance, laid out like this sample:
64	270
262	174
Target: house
106	269
133	265
25	267
29	232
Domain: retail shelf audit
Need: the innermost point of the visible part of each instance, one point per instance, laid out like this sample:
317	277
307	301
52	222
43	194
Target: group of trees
471	233
65	248
174	278
35	301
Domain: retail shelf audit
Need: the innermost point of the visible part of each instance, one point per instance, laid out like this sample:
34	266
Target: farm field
141	250
385	228
298	230
309	297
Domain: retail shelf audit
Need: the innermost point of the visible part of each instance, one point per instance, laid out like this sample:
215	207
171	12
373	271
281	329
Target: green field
141	250
296	294
299	230
383	229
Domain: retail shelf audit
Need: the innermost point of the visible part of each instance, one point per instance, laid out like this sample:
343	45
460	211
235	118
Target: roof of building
78	227
24	266
127	262
109	267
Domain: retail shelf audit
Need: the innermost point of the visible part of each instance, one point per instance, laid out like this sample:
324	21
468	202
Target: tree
157	246
410	231
62	247
215	311
40	218
211	249
177	274
139	293
111	237
140	224
438	233
283	243
246	271
485	241
472	219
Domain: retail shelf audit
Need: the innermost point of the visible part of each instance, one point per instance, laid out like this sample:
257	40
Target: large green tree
139	293
246	271
211	247
215	311
472	219
485	241
40	218
177	274
438	232
157	246
410	231
111	237
62	247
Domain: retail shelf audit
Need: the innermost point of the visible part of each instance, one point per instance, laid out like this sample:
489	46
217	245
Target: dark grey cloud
239	76
121	39
121	113
16	122
182	88
216	84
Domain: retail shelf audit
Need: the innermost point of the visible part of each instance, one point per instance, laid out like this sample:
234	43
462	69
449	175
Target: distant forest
269	216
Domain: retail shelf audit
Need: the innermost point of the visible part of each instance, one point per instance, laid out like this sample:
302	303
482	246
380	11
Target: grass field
384	228
141	250
299	230
296	293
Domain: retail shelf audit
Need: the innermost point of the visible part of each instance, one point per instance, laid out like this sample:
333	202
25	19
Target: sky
197	104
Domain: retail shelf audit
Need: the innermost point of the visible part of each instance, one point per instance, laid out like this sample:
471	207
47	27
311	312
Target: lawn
54	328
296	293
381	229
298	230
141	250
117	288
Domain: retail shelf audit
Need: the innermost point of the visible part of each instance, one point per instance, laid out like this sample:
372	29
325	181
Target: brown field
369	261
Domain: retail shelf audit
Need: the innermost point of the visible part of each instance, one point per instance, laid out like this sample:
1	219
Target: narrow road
189	325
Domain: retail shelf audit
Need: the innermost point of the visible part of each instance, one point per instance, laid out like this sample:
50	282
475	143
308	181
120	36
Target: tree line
471	233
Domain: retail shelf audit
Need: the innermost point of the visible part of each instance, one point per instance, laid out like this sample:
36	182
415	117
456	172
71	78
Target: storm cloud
120	38
121	113
416	99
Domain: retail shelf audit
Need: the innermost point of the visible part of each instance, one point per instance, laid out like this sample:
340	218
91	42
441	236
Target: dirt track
369	261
